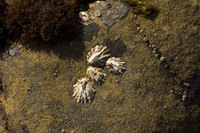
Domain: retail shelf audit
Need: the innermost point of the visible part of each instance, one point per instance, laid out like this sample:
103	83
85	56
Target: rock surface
38	82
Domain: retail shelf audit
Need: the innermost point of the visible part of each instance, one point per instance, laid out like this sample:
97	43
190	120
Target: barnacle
98	55
86	17
97	75
116	65
83	90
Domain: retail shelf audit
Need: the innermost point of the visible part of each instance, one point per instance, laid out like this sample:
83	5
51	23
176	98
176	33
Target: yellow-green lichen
142	7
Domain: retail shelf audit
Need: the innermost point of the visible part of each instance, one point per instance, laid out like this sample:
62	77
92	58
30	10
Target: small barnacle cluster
97	58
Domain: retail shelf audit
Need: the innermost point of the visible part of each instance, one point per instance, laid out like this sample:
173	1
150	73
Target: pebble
186	84
157	55
117	81
24	79
184	97
141	31
135	16
63	131
138	28
162	58
54	74
153	46
137	23
145	39
154	51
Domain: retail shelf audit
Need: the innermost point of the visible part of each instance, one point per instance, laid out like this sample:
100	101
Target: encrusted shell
83	90
97	75
86	17
116	65
98	55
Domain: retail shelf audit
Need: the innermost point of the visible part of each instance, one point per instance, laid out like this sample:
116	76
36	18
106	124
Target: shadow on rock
70	47
152	16
195	86
116	47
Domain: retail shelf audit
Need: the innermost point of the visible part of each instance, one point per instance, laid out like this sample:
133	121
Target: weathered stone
118	11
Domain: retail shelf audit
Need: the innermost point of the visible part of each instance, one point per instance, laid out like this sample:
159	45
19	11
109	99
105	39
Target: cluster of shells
97	58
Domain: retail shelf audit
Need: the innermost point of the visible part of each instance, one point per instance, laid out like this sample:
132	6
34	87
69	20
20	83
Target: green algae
142	7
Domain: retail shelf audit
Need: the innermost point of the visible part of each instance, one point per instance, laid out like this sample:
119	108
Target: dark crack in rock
89	31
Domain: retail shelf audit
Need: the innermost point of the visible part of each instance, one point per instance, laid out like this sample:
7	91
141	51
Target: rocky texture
109	11
118	10
38	84
90	31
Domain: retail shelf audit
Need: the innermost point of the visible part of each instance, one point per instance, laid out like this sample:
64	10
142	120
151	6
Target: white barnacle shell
83	90
86	17
116	65
97	75
98	55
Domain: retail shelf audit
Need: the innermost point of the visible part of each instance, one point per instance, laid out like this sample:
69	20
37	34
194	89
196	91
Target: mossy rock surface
39	81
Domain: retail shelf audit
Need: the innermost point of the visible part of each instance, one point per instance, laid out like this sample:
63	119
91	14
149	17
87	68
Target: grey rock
97	13
118	11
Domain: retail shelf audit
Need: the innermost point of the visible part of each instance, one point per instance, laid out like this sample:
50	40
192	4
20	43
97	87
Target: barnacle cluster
98	58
